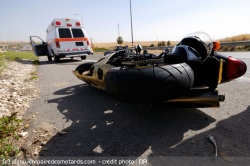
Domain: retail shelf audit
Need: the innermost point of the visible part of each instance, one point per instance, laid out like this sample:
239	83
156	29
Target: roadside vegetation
100	49
9	128
12	56
10	125
242	37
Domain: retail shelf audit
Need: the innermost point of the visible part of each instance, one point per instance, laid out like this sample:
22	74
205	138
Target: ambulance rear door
39	46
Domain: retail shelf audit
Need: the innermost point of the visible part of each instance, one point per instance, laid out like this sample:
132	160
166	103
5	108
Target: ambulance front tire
49	58
83	57
57	59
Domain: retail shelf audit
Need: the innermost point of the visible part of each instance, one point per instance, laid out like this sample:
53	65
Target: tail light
216	45
57	44
78	24
88	42
58	23
235	68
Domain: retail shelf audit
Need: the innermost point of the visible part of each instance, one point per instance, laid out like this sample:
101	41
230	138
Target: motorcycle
187	77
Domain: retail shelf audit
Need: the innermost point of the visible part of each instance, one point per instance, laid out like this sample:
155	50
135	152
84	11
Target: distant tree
168	43
119	40
161	44
151	45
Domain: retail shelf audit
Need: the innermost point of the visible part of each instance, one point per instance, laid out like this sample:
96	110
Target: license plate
79	44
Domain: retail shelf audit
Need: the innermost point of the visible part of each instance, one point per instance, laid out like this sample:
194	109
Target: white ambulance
65	39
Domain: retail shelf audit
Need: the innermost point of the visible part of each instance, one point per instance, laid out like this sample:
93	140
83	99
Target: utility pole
81	18
1	38
118	29
91	41
131	24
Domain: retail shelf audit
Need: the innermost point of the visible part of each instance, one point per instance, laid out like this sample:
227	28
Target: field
112	45
101	47
241	37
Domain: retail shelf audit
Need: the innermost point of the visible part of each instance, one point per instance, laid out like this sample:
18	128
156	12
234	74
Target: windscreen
205	38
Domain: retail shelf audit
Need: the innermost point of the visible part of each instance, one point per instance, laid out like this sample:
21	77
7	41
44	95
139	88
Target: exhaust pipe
197	98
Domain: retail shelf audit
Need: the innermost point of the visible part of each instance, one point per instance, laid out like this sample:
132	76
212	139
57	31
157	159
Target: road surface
98	125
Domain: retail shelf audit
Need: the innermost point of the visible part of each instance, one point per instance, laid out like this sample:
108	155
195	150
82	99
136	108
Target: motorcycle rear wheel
149	84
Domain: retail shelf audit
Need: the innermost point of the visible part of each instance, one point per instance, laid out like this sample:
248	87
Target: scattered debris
98	149
23	134
109	123
93	127
211	138
108	112
60	132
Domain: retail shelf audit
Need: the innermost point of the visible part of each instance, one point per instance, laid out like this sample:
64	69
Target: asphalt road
98	125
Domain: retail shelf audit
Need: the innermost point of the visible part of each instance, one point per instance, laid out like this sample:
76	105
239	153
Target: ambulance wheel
83	57
49	58
57	59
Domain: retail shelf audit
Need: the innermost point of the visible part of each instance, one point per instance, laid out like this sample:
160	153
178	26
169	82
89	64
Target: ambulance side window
77	32
64	33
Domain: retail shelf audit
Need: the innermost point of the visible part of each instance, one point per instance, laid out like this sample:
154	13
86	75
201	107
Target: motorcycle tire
149	84
84	67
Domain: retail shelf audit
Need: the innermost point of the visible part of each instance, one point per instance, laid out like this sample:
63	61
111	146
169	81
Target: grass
8	134
12	56
100	49
33	76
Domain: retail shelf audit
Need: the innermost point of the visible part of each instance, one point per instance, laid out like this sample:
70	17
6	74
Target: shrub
168	43
8	134
161	44
119	40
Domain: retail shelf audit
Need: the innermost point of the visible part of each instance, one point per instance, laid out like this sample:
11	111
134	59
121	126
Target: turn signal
235	68
216	45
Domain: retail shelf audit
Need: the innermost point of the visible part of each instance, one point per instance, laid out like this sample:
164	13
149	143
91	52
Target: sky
153	20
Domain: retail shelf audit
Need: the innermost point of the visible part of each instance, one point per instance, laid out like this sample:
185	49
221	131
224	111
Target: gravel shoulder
18	87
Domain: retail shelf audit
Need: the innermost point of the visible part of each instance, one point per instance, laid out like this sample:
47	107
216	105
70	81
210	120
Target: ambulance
65	38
